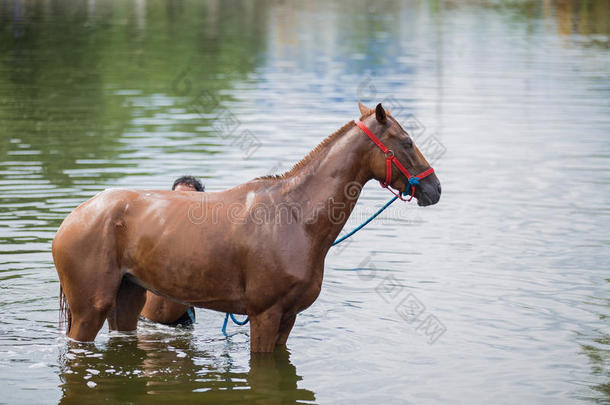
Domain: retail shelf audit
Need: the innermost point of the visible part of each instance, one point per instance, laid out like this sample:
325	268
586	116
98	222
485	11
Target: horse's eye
407	143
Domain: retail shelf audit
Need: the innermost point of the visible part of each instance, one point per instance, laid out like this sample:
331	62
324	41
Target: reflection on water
513	261
581	17
162	369
70	75
595	347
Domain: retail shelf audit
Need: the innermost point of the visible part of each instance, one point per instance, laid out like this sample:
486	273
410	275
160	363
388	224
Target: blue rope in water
224	325
341	239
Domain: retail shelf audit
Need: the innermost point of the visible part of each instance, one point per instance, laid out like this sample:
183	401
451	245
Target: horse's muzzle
428	193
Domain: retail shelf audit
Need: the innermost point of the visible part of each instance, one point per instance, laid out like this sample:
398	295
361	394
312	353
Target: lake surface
507	277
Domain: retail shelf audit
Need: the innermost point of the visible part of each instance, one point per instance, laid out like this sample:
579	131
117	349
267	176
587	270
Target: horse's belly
187	271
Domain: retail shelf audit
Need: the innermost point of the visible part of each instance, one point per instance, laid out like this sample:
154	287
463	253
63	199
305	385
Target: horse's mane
315	151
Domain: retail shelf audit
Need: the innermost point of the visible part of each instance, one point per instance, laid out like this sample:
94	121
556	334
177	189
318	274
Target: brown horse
161	309
255	249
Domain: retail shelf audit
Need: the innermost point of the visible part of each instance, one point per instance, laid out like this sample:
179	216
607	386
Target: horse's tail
65	316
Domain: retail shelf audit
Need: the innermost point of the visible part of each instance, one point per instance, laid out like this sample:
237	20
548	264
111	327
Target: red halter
389	159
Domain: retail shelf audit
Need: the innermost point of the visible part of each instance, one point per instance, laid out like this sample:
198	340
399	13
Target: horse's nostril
438	187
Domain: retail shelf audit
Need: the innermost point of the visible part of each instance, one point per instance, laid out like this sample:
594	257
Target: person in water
163	310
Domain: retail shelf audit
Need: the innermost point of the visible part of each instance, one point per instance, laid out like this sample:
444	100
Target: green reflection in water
597	349
67	70
145	369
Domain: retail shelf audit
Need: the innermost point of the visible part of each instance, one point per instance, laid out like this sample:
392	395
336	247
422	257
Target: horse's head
400	144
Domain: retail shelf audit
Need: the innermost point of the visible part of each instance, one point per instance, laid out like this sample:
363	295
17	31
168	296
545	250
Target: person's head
187	183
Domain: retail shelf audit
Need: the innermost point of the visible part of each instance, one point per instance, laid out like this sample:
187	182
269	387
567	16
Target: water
509	99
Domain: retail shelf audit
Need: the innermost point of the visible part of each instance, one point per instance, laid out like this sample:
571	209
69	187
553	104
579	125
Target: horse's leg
285	328
90	300
264	329
129	302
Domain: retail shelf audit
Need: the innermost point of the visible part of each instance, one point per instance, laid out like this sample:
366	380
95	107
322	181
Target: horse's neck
328	186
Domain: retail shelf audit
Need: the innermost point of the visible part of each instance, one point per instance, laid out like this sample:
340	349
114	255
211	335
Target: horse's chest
307	295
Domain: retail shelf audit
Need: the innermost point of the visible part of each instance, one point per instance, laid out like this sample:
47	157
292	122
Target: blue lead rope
224	325
365	223
341	239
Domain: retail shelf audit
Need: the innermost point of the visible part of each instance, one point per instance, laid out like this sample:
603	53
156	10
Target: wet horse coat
256	249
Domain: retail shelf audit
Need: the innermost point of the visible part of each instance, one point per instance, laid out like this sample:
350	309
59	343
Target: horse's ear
364	110
380	114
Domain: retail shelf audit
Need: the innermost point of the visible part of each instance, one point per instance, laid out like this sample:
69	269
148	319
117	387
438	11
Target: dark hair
189	181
